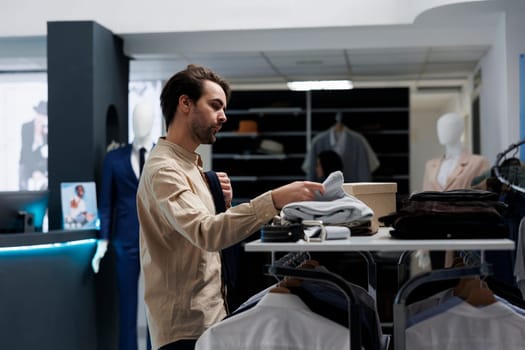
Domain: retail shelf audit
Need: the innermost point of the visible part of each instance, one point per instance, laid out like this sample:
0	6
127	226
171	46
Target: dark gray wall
88	77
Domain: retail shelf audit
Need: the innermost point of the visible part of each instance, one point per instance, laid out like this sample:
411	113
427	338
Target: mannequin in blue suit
119	222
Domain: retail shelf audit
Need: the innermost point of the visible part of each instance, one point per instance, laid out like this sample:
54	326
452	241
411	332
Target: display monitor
22	211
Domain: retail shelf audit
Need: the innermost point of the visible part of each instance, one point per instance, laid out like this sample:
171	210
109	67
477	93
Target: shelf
385	132
294	118
223	134
257	156
361	110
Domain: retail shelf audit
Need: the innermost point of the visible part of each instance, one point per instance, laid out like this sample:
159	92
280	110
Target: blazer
468	167
118	207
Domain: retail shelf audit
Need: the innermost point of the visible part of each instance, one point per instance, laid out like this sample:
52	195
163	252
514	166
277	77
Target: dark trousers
187	344
128	269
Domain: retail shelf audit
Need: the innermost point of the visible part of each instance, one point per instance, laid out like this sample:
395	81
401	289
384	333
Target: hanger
501	160
309	264
480	295
474	291
279	290
339	126
292	282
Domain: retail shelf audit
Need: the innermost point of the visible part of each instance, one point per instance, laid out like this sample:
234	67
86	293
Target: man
180	234
78	214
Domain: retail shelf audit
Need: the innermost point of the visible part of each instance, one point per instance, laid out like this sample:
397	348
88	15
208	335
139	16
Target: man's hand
297	191
226	187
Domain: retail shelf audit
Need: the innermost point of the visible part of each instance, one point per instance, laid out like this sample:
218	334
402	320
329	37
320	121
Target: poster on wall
79	205
23	132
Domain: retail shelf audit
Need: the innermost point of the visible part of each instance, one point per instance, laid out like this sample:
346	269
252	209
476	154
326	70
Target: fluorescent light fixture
320	85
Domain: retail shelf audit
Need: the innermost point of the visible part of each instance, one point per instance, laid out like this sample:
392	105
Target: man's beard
204	134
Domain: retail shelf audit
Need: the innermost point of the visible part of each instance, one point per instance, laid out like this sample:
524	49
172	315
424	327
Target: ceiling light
320	85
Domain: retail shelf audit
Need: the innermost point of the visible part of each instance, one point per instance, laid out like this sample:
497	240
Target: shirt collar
284	300
193	157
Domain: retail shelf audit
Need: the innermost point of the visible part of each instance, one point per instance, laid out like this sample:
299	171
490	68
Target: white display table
381	241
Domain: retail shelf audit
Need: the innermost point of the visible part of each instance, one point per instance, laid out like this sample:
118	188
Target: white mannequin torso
143	116
450	128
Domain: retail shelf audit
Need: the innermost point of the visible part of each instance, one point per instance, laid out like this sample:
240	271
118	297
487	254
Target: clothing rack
295	258
381	241
286	267
400	311
500	158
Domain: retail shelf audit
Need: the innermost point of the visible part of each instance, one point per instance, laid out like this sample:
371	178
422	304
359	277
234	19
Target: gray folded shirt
335	207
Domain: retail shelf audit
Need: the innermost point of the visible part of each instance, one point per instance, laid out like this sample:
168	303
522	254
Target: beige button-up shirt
180	240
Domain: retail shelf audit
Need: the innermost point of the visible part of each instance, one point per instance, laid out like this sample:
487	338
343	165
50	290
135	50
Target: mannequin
456	168
119	222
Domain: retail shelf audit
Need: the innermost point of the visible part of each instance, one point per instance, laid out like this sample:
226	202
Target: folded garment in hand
334	207
336	212
333	187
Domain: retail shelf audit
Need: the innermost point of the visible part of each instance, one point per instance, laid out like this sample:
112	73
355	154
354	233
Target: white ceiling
361	65
441	48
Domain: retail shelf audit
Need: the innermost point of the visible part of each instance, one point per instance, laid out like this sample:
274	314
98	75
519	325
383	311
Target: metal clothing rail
294	258
400	311
354	323
500	158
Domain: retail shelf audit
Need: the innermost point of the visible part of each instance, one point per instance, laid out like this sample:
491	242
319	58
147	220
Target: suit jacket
118	199
468	167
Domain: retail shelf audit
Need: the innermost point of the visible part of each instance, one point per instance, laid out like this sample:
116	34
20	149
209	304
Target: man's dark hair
188	82
330	161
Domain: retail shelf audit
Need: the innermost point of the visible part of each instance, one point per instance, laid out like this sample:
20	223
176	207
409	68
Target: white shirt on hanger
278	321
492	327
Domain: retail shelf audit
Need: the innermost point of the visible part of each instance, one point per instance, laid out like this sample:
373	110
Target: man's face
80	191
208	113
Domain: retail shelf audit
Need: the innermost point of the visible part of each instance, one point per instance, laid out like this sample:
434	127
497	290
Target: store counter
47	293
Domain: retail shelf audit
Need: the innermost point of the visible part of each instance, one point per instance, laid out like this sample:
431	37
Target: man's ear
184	103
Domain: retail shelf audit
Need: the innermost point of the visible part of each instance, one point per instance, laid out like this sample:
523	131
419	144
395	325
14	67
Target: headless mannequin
449	130
119	221
143	116
456	168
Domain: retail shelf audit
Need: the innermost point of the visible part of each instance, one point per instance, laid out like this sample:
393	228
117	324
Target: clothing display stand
500	158
400	311
371	271
282	268
382	241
